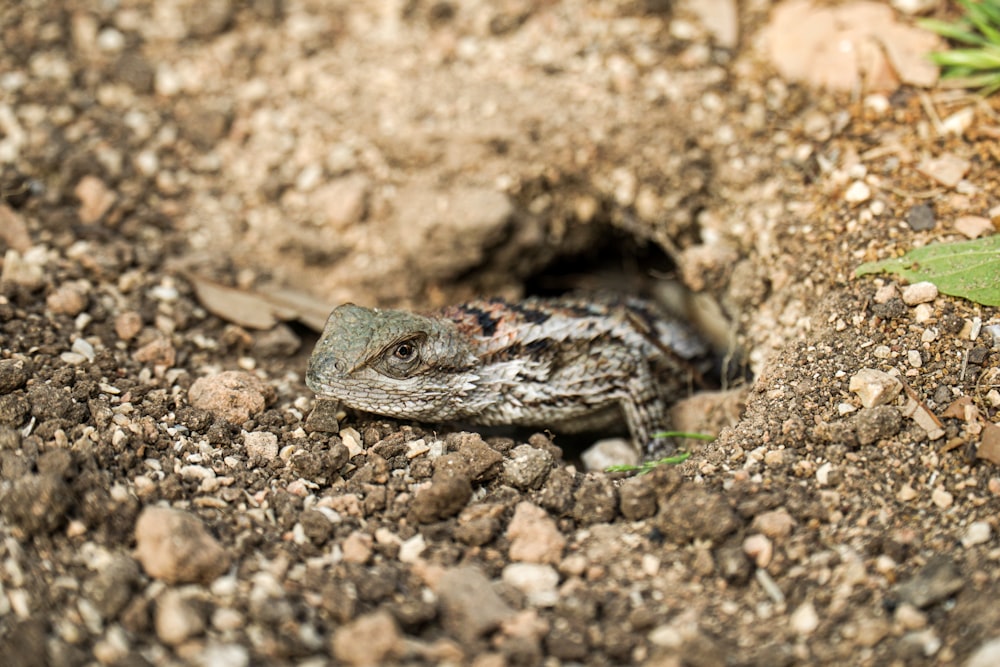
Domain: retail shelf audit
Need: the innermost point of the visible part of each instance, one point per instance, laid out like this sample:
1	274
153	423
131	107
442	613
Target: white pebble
978	532
804	620
914	358
874	387
922	292
857	192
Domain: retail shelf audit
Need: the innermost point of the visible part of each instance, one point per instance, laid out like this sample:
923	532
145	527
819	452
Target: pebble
874	387
947	169
128	325
260	446
886	292
596	500
876	423
159	352
536	581
372	639
936	581
987	655
411	550
527	467
942	498
775	524
358	547
804	620
637	498
759	548
448	492
342	201
27	270
176	619
70	298
906	493
534	536
609	452
973	226
111	588
857	192
977	532
913	7
95	199
910	617
922	292
469	606
174	546
920	218
222	655
694	513
231	395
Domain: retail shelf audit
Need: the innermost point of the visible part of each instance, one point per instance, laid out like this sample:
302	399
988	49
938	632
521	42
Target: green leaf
967	269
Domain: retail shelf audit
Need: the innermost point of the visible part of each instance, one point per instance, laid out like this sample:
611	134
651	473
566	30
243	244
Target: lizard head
392	363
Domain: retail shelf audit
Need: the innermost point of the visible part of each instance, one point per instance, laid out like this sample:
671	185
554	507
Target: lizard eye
401	359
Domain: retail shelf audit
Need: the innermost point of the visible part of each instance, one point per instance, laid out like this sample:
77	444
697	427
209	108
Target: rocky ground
188	187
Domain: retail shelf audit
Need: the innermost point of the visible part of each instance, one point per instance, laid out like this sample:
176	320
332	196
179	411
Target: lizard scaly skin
567	364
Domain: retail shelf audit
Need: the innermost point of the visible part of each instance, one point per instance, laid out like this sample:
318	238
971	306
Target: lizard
566	363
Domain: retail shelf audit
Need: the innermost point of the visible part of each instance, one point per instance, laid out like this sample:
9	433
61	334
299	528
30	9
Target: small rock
759	548
27	270
920	218
481	460
910	617
922	292
128	325
947	169
534	536
914	359
209	17
13	375
989	444
174	546
261	446
871	630
372	639
536	581
232	395
942	498
609	452
973	226
637	498
176	619
323	418
342	201
886	292
936	581
775	524
449	491
527	467
694	513
857	192
876	423
906	493
358	547
595	501
914	7
478	523
804	620
987	655
280	342
69	298
469	606
112	587
95	199
874	387
37	504
978	532
159	352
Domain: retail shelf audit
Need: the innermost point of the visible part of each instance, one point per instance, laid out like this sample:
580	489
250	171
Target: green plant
649	466
979	65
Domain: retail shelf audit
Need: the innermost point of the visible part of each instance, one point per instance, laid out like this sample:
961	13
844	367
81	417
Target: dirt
171	493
